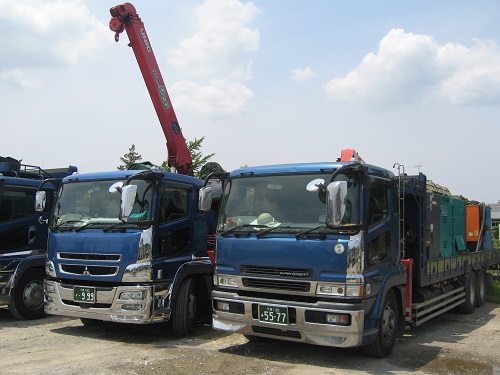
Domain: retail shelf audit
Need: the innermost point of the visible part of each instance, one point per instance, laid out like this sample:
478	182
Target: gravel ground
450	344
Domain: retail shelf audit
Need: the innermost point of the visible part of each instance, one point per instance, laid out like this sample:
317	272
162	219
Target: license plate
273	314
81	294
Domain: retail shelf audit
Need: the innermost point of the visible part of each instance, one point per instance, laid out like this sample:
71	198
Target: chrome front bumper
108	306
300	330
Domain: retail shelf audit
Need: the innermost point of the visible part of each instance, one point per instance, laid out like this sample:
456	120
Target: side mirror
205	199
116	187
40	201
336	202
127	202
318	185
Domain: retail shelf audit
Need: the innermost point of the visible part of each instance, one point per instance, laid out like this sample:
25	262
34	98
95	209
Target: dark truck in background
23	234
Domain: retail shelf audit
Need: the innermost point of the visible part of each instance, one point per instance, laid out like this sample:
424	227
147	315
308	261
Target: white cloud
302	74
16	78
48	34
218	97
219	54
409	69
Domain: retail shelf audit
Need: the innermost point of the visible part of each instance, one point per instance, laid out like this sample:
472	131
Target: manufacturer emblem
339	248
86	271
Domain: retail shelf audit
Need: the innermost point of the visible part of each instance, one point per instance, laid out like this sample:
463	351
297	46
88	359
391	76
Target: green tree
199	160
130	158
494	233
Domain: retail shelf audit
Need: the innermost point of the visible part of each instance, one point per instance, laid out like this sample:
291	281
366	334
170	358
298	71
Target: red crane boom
125	17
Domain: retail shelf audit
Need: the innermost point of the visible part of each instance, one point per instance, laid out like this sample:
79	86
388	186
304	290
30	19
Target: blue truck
129	246
344	253
23	234
133	246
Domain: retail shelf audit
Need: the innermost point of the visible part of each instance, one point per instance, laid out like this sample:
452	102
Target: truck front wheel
184	311
387	329
27	297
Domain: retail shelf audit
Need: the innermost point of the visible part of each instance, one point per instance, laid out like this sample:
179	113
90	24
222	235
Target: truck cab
309	253
144	264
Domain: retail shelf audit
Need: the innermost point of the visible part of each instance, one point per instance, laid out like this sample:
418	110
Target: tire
90	322
468	306
481	288
387	329
27	297
184	311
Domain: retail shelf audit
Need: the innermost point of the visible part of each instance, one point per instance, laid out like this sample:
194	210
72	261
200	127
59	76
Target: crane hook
116	25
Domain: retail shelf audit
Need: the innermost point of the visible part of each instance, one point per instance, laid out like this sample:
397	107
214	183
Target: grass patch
493	287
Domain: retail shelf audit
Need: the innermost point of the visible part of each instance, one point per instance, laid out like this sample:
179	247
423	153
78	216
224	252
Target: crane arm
125	17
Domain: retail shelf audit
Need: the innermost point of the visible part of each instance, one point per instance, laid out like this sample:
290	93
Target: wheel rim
33	295
389	325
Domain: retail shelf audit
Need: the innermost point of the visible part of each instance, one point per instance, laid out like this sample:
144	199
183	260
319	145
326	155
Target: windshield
90	202
281	202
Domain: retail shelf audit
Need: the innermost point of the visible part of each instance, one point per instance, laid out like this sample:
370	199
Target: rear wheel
387	329
468	306
184	311
27	297
481	288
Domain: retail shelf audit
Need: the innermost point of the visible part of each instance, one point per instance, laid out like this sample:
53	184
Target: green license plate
81	294
273	314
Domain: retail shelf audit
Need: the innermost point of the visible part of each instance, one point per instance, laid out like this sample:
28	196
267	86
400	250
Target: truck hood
92	254
315	259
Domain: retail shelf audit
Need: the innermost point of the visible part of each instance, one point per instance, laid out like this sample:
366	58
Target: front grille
295	286
276	332
90	256
89	270
276	271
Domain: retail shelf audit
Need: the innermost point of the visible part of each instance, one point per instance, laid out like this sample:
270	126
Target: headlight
354	291
339	290
340	319
132	295
330	289
224	280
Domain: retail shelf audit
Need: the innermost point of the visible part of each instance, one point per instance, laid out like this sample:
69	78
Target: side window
16	205
174	204
378	204
379	248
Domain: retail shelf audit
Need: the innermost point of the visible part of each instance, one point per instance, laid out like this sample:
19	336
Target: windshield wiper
67	222
114	226
307	231
230	230
88	223
270	229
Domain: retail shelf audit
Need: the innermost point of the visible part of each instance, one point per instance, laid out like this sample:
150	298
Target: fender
200	268
391	280
33	261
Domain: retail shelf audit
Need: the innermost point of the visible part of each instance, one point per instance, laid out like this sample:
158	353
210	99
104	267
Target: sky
265	82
